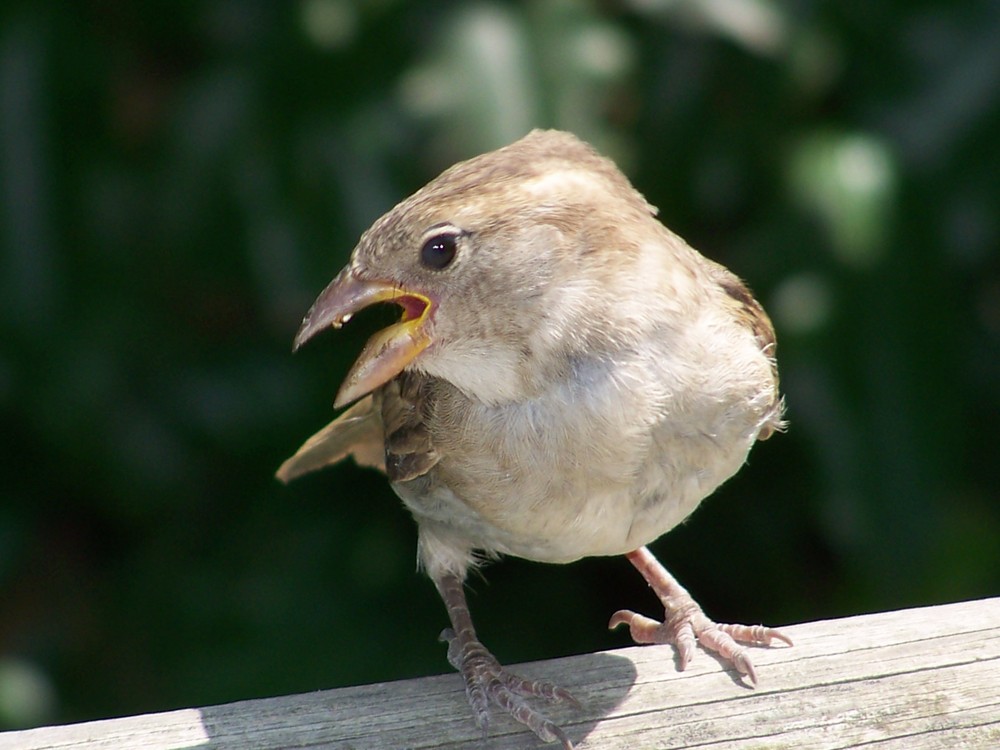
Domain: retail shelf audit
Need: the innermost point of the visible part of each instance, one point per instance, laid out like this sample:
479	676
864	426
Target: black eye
439	251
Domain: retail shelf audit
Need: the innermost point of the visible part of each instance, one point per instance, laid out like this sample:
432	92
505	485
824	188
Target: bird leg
685	622
486	681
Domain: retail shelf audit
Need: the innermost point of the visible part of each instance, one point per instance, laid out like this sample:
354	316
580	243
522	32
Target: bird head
500	266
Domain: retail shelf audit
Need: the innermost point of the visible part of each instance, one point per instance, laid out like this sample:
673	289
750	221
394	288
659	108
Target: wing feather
357	432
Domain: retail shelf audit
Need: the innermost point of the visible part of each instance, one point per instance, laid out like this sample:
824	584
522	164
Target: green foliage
178	181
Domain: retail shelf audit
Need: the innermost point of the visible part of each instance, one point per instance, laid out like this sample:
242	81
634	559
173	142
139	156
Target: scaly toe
758	635
487	682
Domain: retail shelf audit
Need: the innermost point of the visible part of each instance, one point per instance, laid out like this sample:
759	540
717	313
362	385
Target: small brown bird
569	378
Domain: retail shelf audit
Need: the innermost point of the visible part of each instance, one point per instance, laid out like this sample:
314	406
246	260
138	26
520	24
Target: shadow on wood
427	713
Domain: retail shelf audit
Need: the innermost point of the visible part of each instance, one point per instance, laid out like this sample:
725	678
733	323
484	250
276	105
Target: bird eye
439	251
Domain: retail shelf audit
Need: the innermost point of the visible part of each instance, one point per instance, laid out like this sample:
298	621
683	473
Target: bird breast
606	459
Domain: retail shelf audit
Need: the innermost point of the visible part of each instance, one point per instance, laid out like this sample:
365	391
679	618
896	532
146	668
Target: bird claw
487	682
685	623
690	625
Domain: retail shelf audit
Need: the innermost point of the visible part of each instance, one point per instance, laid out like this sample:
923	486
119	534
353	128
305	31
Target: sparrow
568	378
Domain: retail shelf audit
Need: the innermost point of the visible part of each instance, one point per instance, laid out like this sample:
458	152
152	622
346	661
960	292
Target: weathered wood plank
916	679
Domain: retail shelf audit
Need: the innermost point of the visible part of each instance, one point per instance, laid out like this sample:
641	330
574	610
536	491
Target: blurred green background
178	180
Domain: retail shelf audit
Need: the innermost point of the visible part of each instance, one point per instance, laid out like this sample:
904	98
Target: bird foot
488	683
685	624
683	632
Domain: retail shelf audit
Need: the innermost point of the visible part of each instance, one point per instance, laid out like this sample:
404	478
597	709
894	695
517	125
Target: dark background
178	180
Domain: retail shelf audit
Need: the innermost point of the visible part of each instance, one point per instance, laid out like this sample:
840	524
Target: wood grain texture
914	679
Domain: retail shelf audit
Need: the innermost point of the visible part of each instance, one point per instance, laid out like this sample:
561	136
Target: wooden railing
906	680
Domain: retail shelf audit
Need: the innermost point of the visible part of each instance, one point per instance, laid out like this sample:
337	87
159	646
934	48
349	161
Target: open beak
388	351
